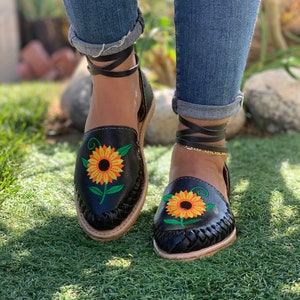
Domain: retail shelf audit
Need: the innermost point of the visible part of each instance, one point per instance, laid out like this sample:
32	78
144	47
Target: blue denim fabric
103	27
212	43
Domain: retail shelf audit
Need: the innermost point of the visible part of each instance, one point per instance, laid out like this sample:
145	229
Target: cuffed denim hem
96	50
207	112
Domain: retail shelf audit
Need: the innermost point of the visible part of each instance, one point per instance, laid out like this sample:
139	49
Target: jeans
212	43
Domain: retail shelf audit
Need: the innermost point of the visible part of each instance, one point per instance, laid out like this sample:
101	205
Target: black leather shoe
193	219
110	174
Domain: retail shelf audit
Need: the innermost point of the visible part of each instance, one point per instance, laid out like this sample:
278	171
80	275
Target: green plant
156	46
21	123
41	9
287	58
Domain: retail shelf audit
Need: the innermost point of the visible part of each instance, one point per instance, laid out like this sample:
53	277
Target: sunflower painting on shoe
104	165
186	207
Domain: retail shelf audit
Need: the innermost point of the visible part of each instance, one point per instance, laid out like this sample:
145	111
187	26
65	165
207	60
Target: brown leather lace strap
117	59
210	134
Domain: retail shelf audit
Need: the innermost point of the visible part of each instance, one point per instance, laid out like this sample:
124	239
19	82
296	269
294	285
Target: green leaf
167	197
171	221
192	221
93	143
115	189
164	21
210	206
84	162
200	191
96	190
124	150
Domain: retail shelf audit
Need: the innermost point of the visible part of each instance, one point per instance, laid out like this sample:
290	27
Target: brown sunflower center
185	205
104	165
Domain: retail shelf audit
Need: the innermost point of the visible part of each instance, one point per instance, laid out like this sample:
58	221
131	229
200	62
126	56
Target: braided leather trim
188	240
109	220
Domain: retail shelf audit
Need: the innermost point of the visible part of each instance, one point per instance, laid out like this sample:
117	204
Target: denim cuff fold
96	50
207	112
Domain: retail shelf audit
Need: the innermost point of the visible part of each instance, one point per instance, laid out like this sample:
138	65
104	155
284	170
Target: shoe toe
109	176
192	216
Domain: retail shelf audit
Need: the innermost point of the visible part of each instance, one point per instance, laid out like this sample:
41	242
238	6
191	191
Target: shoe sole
203	253
110	235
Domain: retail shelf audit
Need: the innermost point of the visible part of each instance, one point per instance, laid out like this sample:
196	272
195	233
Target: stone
273	99
38	60
65	61
236	124
76	98
162	127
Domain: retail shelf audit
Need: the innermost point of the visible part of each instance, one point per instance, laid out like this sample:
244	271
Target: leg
213	39
110	174
99	29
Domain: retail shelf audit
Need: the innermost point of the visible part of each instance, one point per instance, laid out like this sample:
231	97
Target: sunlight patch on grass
292	288
119	262
237	193
68	292
242	186
278	209
20	255
291	174
282	216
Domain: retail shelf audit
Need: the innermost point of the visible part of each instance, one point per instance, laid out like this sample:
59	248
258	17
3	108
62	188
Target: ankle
127	64
204	122
115	100
205	166
200	151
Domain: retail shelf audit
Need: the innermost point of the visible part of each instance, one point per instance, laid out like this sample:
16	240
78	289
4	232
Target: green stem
181	222
104	193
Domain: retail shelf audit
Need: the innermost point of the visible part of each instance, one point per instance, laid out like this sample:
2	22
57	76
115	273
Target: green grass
21	121
45	255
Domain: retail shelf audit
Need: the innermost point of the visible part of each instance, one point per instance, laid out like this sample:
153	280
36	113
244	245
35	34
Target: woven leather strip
214	133
117	59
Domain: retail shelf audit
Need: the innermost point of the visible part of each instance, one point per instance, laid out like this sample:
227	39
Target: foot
110	174
199	164
115	101
194	218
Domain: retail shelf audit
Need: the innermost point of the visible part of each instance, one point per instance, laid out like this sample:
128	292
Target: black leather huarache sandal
193	219
110	174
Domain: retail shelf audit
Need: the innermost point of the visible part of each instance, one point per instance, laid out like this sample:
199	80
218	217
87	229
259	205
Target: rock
162	127
65	61
236	124
76	98
161	130
273	99
38	61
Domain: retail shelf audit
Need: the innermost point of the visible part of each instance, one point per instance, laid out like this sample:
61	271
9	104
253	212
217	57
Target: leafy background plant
41	9
21	122
156	47
285	45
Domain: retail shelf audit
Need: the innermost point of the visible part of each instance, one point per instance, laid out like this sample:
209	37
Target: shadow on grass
56	260
267	212
58	255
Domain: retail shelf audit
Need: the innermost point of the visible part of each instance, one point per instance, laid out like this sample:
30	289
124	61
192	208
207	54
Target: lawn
44	254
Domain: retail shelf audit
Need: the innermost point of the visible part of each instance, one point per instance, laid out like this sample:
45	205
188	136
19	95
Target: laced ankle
117	59
209	134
